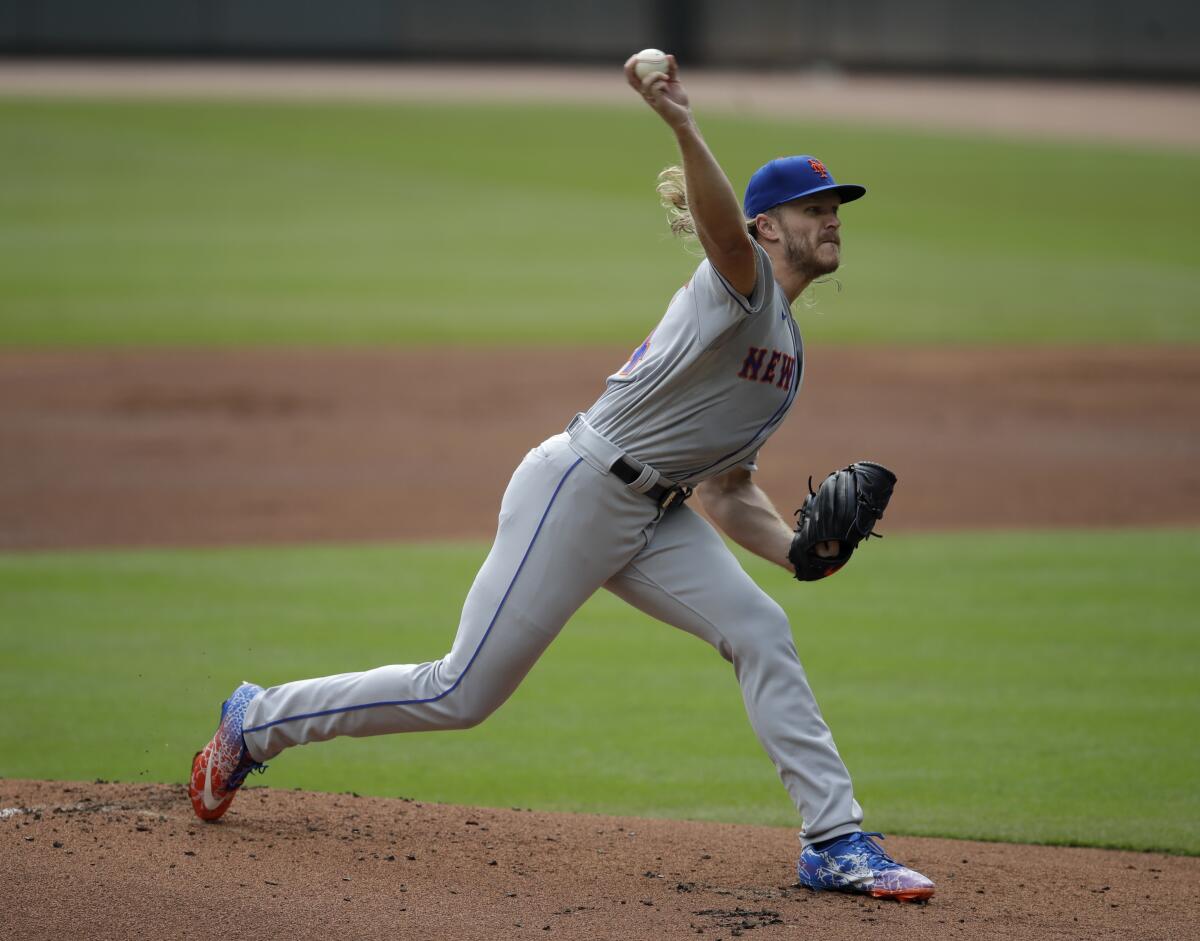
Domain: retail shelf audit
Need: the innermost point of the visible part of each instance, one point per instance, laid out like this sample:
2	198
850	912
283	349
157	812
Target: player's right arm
714	205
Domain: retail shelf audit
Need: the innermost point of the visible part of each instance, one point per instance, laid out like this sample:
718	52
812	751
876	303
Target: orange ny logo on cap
818	168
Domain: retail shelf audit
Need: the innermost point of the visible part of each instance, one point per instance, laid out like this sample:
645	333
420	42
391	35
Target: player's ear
766	228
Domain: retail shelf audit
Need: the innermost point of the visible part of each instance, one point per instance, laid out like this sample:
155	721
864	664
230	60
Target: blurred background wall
1082	38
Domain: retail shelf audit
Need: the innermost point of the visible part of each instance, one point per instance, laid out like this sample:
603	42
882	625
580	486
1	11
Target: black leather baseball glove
844	508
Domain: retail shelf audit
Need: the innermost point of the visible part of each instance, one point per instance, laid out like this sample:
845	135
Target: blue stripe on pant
550	555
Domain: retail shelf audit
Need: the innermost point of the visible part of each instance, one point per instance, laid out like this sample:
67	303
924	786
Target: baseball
650	60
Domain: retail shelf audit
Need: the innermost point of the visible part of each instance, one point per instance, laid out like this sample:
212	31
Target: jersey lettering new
711	383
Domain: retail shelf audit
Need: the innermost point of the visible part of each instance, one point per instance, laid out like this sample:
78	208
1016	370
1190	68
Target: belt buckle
675	493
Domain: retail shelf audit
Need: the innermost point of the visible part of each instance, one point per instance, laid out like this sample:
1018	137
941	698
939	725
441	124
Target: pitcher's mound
130	861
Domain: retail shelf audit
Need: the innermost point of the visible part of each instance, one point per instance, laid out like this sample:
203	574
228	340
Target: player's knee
765	633
473	718
766	618
470	713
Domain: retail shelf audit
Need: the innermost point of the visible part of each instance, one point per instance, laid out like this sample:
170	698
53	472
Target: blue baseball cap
788	178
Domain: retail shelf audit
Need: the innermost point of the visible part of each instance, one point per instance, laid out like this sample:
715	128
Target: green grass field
1037	687
204	223
1041	687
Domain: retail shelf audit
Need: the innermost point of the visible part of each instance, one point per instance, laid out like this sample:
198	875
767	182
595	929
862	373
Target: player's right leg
564	530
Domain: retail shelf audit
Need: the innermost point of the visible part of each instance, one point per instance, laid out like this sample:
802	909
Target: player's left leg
687	577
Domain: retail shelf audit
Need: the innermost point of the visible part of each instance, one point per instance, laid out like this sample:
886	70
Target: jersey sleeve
718	304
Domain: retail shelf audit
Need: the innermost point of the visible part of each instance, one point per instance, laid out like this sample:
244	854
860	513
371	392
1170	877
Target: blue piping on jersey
774	419
482	641
742	301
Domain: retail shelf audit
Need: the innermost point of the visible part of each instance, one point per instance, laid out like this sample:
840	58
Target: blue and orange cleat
221	767
856	863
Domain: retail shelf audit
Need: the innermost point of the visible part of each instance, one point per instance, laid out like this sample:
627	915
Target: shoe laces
245	768
878	857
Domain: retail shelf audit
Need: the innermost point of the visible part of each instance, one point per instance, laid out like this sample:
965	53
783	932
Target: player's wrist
684	125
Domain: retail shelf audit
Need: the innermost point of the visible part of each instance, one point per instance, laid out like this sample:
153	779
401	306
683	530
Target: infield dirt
129	861
206	448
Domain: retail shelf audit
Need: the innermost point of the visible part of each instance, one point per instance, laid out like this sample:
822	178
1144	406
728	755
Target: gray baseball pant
568	527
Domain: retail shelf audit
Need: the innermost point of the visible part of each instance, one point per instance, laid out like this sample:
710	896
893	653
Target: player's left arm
746	515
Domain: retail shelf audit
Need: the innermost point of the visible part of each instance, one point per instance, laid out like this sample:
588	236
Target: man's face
809	230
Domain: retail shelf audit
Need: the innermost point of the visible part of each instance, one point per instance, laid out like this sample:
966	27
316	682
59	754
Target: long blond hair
672	193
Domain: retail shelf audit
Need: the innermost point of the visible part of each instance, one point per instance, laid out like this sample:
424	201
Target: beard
810	260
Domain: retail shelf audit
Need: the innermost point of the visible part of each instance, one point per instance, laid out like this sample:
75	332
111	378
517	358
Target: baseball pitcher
606	504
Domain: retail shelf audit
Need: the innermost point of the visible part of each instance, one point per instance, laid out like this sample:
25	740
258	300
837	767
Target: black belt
661	494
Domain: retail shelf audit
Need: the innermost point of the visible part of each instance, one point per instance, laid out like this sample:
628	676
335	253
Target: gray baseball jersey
700	396
711	383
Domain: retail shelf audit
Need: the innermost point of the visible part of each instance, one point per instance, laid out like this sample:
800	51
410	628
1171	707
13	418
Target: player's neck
792	281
